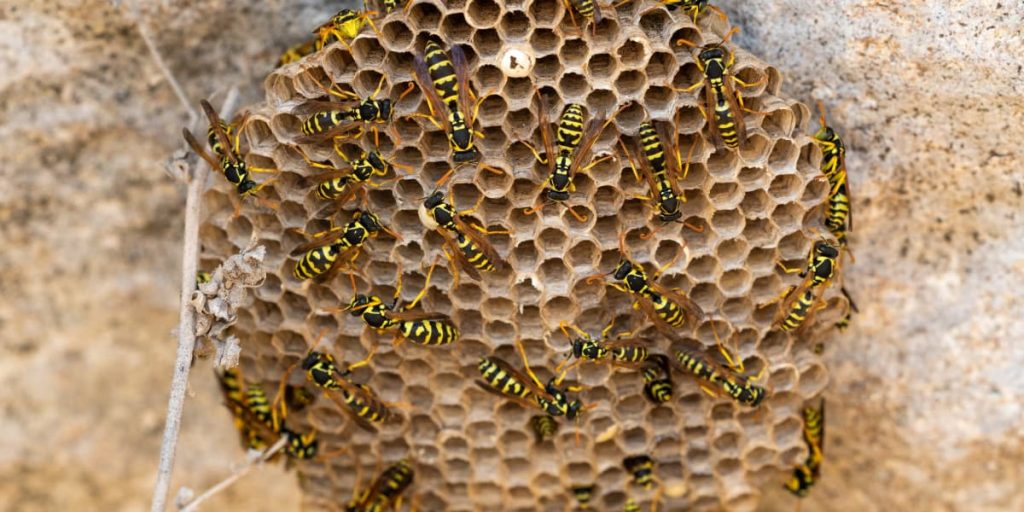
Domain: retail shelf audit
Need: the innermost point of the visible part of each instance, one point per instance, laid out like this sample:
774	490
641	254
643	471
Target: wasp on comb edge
225	141
723	103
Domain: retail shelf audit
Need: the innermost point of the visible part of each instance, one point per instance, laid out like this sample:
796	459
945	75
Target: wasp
573	151
641	468
658	379
661	167
806	474
583	495
798	301
297	52
203	277
668	309
334	119
624	351
631	506
344	27
544	427
339	185
225	141
724	105
740	389
589	10
503	380
444	82
320	255
465	246
844	322
838	218
422	328
386	491
257	421
359	400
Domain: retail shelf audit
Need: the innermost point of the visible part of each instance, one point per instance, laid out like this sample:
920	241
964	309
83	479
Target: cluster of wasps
441	73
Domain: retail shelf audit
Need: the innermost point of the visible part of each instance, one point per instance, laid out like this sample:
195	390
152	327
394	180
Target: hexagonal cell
514	25
630	83
573	86
483	13
424	17
601	66
547	68
633	53
397	36
518	88
455	29
487	42
783	156
368	52
655	24
544	42
573	51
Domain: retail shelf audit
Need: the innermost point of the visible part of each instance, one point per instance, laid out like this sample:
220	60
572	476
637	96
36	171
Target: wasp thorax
623	270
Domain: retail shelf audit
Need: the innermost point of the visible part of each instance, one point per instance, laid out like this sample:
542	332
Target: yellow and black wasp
589	10
658	379
624	351
344	27
661	167
838	218
503	380
444	82
465	247
738	388
334	119
732	381
641	468
693	8
297	52
258	423
339	185
225	141
422	328
631	506
584	494
668	309
319	256
573	151
797	302
203	277
359	400
723	106
386	491
844	322
806	474
544	427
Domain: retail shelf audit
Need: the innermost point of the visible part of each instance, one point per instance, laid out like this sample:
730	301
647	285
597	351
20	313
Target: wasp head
376	161
434	200
384	109
623	270
371	222
826	250
358	304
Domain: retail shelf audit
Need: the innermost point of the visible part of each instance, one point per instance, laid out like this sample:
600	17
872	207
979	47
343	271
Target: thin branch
186	331
133	12
193	505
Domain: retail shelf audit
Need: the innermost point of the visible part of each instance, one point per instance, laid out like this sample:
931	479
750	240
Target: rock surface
925	406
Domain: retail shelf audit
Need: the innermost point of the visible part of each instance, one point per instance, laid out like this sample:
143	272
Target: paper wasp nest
471	449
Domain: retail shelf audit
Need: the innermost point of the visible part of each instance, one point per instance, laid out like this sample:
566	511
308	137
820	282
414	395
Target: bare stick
186	331
193	505
158	58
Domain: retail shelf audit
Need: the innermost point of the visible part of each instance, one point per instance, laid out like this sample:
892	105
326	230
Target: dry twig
193	505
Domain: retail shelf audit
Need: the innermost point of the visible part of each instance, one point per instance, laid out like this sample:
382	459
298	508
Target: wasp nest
757	206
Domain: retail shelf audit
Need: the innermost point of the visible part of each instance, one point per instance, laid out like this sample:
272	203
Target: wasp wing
426	85
461	66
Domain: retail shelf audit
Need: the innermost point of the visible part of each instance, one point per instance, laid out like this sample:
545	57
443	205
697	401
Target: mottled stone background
926	405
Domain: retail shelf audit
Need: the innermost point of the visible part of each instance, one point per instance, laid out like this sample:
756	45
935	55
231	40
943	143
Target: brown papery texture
757	206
